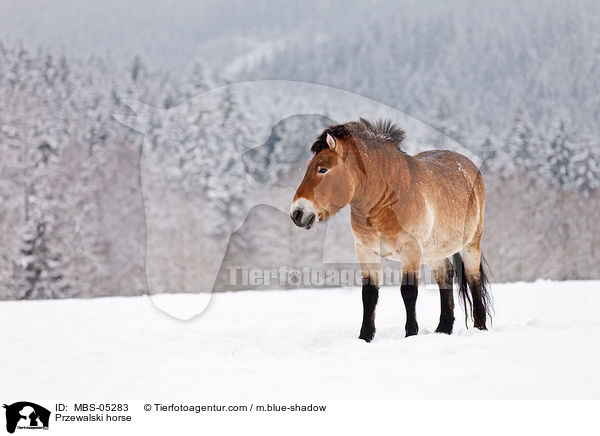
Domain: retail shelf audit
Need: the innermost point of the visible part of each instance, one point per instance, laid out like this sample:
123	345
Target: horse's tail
461	280
463	292
485	287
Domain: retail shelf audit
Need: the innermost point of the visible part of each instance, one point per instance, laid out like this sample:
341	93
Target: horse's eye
322	170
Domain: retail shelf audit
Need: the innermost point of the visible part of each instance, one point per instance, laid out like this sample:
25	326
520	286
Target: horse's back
449	168
447	159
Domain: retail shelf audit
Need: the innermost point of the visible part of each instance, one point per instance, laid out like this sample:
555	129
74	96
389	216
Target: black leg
447	312
444	277
370	294
479	313
409	290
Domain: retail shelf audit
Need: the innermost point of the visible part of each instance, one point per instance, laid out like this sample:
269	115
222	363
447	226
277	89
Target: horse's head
328	183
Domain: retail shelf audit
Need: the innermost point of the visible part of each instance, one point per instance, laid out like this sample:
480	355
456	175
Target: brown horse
417	209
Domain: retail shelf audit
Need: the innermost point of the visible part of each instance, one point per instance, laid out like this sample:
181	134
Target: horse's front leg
411	261
370	263
410	290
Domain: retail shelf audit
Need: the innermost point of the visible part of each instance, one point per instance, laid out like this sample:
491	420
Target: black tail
488	301
463	293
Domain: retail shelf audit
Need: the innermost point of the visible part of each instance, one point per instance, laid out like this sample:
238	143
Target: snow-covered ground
302	344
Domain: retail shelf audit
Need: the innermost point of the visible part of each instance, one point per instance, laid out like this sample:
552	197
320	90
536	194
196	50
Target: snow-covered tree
198	82
585	165
37	261
561	150
139	70
40	257
443	122
522	150
486	146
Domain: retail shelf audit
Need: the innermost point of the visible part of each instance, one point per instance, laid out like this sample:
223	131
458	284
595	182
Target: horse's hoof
412	331
480	326
366	336
446	329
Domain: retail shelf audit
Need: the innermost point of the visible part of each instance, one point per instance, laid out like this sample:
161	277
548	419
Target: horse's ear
331	142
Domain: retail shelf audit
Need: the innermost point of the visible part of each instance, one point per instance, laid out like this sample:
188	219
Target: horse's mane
380	132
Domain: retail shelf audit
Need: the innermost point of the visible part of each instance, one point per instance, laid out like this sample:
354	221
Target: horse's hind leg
471	256
443	272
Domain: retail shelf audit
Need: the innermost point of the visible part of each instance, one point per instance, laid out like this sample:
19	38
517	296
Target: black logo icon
26	415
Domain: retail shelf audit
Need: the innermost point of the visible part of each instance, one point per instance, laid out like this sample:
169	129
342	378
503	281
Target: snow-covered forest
519	92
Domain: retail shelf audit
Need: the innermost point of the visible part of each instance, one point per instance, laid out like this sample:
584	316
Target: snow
302	344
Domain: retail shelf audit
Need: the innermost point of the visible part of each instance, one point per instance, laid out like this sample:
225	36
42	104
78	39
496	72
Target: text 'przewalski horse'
413	209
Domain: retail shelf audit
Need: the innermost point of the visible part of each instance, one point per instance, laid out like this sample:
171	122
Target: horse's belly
440	252
443	244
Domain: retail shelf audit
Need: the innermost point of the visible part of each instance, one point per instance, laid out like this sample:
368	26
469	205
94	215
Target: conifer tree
521	151
585	167
561	150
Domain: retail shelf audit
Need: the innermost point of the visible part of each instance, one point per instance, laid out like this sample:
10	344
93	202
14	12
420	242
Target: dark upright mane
339	132
382	131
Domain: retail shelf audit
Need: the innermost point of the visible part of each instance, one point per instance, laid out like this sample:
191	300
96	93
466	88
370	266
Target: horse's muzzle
301	219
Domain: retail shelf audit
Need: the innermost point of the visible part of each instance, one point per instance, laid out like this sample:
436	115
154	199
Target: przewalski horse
417	209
